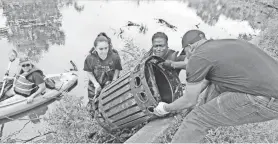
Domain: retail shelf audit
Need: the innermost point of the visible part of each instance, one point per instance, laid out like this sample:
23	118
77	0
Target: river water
60	31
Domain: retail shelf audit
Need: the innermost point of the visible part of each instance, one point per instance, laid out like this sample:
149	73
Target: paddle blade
12	55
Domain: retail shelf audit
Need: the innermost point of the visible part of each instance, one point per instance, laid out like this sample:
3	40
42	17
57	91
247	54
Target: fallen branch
40	135
1	132
15	133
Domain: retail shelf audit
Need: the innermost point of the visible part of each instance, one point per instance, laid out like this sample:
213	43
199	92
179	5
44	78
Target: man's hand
168	64
97	88
160	109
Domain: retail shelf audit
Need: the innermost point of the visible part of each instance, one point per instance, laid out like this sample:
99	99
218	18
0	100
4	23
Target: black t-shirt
235	66
103	70
169	55
36	78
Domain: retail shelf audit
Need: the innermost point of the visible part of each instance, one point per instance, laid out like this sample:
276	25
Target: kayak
64	82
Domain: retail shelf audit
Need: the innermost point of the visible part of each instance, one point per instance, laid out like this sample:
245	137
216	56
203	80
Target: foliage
264	132
131	55
71	122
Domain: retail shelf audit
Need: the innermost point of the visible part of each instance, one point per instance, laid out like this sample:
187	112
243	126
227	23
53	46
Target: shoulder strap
115	51
34	70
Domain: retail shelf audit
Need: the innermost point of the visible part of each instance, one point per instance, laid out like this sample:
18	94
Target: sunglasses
26	65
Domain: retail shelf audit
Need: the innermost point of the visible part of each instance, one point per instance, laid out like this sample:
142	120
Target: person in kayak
160	48
103	65
242	80
28	83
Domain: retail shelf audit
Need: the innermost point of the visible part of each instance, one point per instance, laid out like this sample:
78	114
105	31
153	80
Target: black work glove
167	63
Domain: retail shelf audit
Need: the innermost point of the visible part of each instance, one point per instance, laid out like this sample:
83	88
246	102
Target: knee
197	119
192	130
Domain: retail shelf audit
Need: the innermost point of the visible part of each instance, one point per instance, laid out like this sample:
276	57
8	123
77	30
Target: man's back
235	66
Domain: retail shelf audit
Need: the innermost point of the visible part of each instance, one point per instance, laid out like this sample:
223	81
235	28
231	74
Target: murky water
57	32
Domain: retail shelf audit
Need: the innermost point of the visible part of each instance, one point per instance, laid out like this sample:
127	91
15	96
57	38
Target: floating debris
163	22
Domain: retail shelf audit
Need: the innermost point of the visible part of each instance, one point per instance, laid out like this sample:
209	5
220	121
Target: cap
24	59
191	37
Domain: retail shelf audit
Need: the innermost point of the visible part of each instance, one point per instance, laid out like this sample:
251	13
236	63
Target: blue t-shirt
235	66
103	70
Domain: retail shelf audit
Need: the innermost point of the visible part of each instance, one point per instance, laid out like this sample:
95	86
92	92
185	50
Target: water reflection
10	132
251	11
34	25
34	115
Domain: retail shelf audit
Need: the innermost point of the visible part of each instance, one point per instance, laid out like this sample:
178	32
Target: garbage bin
130	99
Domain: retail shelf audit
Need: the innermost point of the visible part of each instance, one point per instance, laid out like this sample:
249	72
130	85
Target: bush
264	132
71	121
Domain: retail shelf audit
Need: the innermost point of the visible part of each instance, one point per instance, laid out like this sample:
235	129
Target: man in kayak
160	48
103	65
28	83
241	77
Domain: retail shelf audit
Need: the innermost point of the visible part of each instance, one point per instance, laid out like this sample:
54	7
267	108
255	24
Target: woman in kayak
103	65
28	83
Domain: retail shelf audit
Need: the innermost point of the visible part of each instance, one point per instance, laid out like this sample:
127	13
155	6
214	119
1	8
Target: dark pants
225	109
91	95
92	104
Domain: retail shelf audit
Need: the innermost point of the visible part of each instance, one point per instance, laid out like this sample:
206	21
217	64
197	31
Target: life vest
23	86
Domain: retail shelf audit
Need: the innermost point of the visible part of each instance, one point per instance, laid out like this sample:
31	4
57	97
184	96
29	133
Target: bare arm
116	74
179	64
9	78
42	88
92	78
190	97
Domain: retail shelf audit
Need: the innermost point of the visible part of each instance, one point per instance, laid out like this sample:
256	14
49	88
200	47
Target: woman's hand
107	83
97	88
7	78
30	99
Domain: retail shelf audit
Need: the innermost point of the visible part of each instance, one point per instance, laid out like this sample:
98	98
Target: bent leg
229	109
210	93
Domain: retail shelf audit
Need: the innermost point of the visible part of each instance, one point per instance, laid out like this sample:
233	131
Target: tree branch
40	135
17	132
1	132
